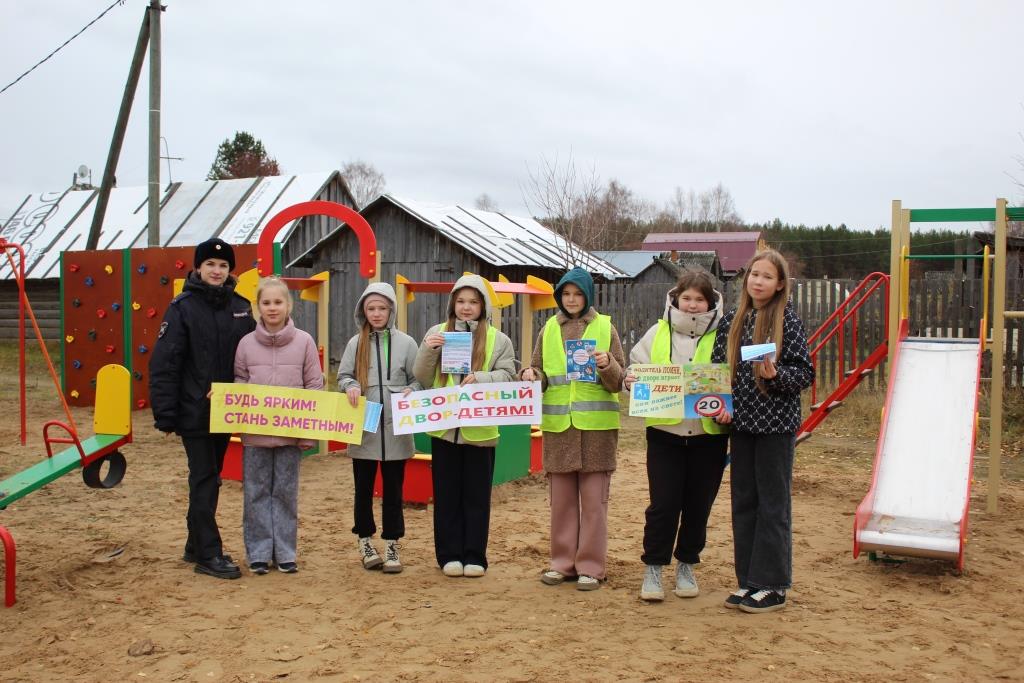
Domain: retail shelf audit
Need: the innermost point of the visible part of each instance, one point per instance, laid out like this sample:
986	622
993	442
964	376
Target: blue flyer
371	419
457	353
580	364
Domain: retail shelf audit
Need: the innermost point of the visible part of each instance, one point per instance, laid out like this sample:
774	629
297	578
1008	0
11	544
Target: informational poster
657	392
457	353
581	366
707	389
371	423
282	411
472	405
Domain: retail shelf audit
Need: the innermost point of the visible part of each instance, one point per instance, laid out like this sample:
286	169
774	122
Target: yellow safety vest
471	433
584	405
661	350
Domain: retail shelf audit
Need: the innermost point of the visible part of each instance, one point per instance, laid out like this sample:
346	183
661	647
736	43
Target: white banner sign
472	405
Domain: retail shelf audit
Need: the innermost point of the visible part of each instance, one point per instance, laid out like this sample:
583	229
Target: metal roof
734	248
48	223
501	239
632	263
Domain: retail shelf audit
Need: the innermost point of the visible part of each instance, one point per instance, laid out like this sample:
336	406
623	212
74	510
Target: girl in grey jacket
378	362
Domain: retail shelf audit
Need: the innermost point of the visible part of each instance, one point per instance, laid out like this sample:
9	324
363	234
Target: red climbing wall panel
94	313
153	271
98	339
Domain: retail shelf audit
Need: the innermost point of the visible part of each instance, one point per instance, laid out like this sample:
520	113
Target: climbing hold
150	312
141	269
109	348
136	305
76	364
108	269
92	383
70	338
164	280
143	348
115	307
141	403
74	393
73	267
92	335
76	302
137	375
100	313
89	282
179	264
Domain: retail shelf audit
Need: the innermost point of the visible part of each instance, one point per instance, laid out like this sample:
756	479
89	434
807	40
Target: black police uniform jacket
195	347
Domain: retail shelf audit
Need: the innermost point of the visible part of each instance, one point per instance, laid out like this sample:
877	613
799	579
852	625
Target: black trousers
683	475
462	476
762	517
392	473
205	459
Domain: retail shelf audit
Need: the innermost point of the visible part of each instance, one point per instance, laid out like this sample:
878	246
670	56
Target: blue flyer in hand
580	364
371	419
457	353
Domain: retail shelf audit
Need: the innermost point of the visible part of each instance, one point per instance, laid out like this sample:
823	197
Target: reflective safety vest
584	405
471	433
661	354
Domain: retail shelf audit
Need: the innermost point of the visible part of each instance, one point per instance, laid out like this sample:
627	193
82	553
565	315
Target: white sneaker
686	583
474	571
392	563
651	589
587	583
552	577
453	568
371	558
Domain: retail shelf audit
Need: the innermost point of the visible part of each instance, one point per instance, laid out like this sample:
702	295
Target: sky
810	112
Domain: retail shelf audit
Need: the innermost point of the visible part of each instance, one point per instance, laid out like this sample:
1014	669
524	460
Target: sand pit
103	594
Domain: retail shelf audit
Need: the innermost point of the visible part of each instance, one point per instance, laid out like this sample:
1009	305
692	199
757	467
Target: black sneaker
221	567
736	597
288	567
763	601
259	567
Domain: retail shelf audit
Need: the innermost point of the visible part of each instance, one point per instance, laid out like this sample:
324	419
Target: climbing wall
92	289
113	303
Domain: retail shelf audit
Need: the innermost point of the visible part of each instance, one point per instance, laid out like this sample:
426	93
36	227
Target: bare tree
485	203
562	196
708	210
364	181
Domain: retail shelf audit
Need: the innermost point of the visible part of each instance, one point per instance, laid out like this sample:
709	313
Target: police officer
196	347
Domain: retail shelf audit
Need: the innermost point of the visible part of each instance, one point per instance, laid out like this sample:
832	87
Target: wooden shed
438	243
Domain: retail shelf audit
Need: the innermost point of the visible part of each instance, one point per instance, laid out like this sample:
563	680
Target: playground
100	578
105	596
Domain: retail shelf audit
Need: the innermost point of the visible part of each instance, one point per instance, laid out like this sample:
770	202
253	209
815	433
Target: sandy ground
87	612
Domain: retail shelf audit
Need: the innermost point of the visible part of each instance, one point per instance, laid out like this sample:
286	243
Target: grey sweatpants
270	516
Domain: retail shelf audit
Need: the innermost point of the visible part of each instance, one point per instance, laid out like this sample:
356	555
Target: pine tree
242	157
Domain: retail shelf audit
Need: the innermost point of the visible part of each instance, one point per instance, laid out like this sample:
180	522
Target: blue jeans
762	517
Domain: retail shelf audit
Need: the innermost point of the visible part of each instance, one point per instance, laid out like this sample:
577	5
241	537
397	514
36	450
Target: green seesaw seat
112	424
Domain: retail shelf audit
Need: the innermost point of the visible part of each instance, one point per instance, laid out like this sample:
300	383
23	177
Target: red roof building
734	249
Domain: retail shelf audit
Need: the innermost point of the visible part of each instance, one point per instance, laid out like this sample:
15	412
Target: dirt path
100	575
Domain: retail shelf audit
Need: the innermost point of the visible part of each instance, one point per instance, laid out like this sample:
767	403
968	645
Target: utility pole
134	72
154	11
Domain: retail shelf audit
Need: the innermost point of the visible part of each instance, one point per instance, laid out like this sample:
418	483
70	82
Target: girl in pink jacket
278	354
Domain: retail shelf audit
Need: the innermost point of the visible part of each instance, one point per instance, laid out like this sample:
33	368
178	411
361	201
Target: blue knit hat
581	279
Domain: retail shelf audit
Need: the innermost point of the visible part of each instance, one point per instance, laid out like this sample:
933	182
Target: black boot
220	566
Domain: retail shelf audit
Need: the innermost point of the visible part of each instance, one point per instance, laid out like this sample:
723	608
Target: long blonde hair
479	334
769	321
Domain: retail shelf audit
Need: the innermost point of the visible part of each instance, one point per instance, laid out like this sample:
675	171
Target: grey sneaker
686	584
371	558
652	590
392	563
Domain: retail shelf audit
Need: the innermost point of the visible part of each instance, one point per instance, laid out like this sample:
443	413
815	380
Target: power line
80	32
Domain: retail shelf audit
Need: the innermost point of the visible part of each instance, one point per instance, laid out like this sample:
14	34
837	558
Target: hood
479	284
280	338
382	289
581	279
695	323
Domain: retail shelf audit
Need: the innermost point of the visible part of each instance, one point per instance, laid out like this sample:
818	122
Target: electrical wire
80	32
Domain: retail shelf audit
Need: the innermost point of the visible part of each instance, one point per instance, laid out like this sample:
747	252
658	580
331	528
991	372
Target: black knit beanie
214	247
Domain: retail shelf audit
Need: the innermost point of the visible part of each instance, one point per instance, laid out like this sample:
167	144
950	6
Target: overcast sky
811	112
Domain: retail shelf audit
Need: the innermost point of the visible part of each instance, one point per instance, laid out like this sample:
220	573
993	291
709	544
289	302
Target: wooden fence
938	308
